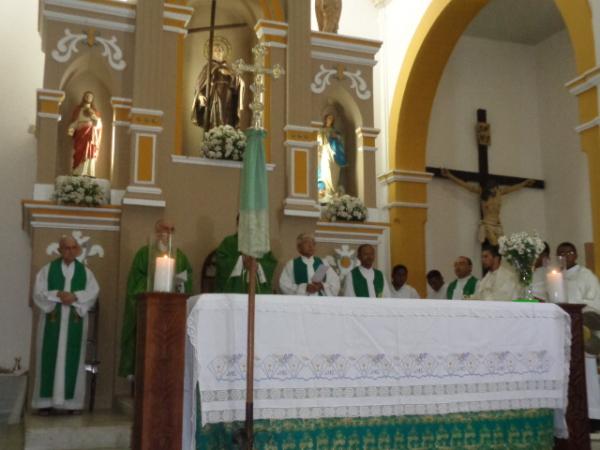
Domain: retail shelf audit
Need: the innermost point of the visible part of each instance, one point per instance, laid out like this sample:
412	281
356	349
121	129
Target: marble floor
98	431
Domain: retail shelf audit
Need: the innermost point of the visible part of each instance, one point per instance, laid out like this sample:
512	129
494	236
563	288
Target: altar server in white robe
64	291
365	280
308	274
400	288
437	288
500	283
583	287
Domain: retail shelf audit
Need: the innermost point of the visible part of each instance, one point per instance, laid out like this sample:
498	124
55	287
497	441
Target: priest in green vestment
308	274
232	269
137	283
65	290
365	280
465	284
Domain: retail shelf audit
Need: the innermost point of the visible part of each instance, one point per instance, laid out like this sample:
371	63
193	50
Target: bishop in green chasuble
65	290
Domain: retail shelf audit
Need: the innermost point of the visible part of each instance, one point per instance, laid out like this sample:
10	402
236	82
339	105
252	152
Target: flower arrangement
347	208
521	250
76	190
224	142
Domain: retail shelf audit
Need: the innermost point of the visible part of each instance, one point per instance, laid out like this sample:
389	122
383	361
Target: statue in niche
225	90
331	158
86	130
328	14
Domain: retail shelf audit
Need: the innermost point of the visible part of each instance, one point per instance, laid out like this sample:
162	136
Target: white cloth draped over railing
346	357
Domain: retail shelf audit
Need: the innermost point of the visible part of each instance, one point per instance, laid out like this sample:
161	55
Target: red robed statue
86	129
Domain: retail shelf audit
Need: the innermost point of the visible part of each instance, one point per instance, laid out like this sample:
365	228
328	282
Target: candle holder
161	263
555	281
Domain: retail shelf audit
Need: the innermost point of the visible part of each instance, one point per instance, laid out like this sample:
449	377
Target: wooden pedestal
577	410
160	361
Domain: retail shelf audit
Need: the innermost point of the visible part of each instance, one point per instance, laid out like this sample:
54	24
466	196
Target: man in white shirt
65	290
583	287
437	288
500	282
465	284
400	288
298	276
365	280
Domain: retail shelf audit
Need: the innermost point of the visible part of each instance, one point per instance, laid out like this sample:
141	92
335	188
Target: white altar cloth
344	357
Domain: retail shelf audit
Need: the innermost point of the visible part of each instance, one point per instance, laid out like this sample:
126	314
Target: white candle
163	274
555	285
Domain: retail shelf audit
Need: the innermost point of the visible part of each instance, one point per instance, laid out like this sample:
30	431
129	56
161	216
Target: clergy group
65	290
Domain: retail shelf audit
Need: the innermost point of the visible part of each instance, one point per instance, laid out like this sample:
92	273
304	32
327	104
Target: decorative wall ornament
323	79
67	46
343	262
87	249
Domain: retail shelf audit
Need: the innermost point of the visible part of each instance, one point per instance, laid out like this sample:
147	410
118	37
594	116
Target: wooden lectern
577	410
160	363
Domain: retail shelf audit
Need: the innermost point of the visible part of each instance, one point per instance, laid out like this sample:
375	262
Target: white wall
532	118
21	67
568	214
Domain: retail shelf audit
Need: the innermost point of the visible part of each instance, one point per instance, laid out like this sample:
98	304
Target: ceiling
519	21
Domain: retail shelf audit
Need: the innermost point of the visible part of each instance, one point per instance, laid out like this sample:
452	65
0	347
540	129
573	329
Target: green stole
359	283
469	288
56	282
301	271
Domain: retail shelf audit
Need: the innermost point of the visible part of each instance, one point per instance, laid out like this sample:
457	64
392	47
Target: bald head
69	249
163	226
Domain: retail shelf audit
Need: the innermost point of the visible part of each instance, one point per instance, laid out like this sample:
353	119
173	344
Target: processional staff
254	230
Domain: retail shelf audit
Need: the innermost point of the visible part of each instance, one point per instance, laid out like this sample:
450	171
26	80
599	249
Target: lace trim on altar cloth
381	391
291	367
377	410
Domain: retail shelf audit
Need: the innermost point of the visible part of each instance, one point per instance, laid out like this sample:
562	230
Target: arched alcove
77	81
348	119
235	22
434	40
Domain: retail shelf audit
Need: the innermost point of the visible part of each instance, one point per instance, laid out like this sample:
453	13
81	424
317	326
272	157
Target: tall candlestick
555	286
164	273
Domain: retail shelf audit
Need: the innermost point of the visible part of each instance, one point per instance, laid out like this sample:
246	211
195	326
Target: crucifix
490	188
258	86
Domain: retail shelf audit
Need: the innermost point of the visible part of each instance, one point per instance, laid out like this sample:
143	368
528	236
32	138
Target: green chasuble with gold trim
137	283
359	283
56	282
227	257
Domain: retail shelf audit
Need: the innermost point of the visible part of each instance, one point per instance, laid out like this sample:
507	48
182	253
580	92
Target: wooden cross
483	175
258	86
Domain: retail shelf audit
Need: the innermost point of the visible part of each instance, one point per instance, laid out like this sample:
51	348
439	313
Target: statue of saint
328	14
86	129
490	227
225	91
331	158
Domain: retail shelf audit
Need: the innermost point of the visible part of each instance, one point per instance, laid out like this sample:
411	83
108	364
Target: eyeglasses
565	253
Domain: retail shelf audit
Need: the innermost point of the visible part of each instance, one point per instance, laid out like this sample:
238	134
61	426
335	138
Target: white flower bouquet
521	250
75	190
224	142
347	208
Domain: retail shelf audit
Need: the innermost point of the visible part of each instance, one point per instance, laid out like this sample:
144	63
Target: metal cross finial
258	86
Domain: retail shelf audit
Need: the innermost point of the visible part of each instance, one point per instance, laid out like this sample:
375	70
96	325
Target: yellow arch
437	34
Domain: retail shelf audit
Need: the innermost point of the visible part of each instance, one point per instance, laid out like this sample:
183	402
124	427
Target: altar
346	372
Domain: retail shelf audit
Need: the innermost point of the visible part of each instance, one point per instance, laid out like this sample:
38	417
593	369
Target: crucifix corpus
490	188
253	229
